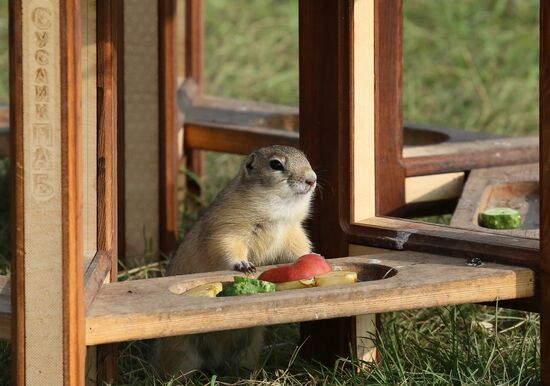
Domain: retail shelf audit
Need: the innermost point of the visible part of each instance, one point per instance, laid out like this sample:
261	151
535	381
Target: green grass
472	64
461	345
468	64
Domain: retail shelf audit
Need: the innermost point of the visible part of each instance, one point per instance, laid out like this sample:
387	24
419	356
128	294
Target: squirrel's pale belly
269	245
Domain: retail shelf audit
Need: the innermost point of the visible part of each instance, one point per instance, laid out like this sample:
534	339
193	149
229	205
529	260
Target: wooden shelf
514	187
145	309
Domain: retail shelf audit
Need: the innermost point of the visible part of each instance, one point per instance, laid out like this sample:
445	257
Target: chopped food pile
311	270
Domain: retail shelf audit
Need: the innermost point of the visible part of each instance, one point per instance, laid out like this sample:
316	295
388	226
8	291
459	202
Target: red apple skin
306	266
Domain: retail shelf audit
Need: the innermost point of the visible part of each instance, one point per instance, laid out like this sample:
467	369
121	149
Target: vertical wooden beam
180	39
89	127
121	176
544	122
390	174
325	43
109	52
194	160
88	17
46	109
71	161
108	16
168	127
194	42
17	191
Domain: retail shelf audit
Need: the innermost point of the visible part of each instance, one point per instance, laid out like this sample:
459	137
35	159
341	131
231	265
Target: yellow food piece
329	278
336	278
209	290
296	284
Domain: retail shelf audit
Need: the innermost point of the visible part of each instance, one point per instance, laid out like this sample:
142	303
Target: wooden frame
331	122
397	233
544	262
45	73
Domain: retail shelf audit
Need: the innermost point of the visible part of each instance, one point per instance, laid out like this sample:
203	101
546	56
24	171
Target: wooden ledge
144	309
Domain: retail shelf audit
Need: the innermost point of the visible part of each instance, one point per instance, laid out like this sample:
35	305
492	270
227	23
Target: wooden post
324	110
45	90
544	122
168	127
194	42
388	63
194	73
109	52
346	48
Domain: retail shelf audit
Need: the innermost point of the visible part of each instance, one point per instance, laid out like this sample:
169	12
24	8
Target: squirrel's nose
311	178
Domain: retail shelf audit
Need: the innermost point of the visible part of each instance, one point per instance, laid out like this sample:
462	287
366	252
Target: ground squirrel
256	220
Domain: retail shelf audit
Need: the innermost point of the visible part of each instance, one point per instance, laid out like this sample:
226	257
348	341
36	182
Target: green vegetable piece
247	286
500	218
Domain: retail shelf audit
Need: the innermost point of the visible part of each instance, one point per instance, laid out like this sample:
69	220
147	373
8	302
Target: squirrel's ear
249	162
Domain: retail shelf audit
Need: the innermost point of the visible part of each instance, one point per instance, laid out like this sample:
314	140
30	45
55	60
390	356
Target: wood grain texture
105	264
233	138
71	161
90	128
325	59
236	126
109	16
461	156
514	187
544	132
433	187
220	110
120	134
388	64
168	127
17	189
193	159
95	276
147	308
363	108
393	233
194	42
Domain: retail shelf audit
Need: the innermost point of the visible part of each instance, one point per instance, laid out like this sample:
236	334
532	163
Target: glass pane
472	66
251	50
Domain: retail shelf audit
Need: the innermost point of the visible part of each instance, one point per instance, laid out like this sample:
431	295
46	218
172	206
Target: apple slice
305	267
209	290
296	284
336	278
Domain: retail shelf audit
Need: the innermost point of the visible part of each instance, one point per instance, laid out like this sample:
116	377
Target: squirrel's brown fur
256	220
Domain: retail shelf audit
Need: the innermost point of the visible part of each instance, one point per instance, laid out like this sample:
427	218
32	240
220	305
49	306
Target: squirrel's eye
276	165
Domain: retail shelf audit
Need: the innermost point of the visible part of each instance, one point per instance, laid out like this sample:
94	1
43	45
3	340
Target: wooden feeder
97	94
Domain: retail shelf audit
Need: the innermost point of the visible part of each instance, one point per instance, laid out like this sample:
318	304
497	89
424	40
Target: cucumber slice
500	218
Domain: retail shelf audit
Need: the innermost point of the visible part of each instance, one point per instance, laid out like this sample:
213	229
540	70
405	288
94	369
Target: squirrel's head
281	168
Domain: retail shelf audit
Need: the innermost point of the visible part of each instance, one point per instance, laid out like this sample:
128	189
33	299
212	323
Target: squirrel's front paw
245	267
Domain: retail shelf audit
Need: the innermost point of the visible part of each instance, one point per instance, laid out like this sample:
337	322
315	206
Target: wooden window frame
219	130
390	166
